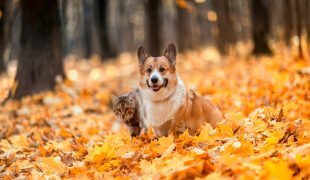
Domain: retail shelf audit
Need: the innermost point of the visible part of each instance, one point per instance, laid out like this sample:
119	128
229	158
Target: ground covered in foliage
72	133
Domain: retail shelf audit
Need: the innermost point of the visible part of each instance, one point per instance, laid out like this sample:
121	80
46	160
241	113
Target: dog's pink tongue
155	88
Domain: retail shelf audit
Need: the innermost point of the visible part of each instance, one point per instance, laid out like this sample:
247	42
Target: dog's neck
162	107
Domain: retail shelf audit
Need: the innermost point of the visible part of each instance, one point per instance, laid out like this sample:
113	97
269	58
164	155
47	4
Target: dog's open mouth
156	87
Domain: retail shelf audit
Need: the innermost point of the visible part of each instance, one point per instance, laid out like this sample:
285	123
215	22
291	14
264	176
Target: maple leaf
225	130
51	165
99	153
19	141
277	170
164	143
71	132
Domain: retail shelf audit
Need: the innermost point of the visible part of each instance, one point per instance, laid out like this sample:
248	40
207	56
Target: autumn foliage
72	133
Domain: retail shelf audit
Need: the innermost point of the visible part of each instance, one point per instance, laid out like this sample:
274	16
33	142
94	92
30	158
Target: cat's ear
171	53
143	54
113	99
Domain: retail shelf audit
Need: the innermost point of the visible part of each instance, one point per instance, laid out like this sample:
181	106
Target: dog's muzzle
156	87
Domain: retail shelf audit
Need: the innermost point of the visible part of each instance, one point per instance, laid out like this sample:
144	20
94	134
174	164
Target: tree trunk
307	22
288	22
260	24
168	17
226	36
153	24
91	28
73	27
2	64
12	28
125	25
107	51
299	26
188	29
40	60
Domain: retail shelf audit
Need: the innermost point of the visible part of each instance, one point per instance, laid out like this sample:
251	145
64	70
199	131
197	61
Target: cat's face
124	107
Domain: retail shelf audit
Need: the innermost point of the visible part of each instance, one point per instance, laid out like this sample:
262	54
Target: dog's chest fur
158	113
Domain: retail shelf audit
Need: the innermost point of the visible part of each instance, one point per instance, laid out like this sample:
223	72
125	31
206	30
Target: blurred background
109	27
40	33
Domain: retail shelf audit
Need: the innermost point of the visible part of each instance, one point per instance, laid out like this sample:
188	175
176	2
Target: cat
129	110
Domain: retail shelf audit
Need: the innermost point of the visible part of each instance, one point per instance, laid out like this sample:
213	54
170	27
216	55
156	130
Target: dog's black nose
154	79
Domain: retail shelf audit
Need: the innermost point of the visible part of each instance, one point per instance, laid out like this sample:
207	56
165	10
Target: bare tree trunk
288	22
12	28
153	24
73	27
2	64
168	17
188	29
126	25
102	12
307	22
91	28
260	21
299	26
226	32
40	60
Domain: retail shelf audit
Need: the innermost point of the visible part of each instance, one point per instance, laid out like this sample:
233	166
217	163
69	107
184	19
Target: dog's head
158	74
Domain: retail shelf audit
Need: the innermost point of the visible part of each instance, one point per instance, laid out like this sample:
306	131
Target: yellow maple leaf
234	118
277	170
99	153
19	141
108	165
51	165
185	137
205	134
225	130
303	161
163	144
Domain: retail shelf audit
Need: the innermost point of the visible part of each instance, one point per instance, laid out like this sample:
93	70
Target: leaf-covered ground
72	133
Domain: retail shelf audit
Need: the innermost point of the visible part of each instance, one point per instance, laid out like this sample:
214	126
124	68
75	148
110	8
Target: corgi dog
169	107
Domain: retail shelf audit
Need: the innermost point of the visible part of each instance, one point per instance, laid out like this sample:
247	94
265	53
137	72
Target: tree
288	23
299	27
260	26
102	12
226	32
2	65
12	28
40	60
91	28
153	24
73	27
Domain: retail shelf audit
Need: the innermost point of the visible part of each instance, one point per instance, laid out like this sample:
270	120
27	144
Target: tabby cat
128	109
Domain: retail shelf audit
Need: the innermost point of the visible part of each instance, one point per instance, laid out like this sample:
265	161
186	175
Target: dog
169	107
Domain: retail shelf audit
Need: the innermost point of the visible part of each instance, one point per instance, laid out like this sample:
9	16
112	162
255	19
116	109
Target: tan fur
195	112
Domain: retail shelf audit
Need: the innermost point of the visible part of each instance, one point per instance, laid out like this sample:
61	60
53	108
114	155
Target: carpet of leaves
72	133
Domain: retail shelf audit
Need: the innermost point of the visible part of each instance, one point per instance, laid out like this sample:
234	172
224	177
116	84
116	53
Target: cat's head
124	107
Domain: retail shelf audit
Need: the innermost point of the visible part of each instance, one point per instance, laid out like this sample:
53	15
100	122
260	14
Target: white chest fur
160	112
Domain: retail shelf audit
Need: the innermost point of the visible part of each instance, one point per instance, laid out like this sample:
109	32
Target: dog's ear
171	53
143	54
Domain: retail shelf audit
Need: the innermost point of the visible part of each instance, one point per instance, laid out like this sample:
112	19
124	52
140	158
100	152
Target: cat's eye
129	110
161	69
149	70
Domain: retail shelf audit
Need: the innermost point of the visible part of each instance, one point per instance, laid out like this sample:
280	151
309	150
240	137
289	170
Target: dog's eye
161	69
149	70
